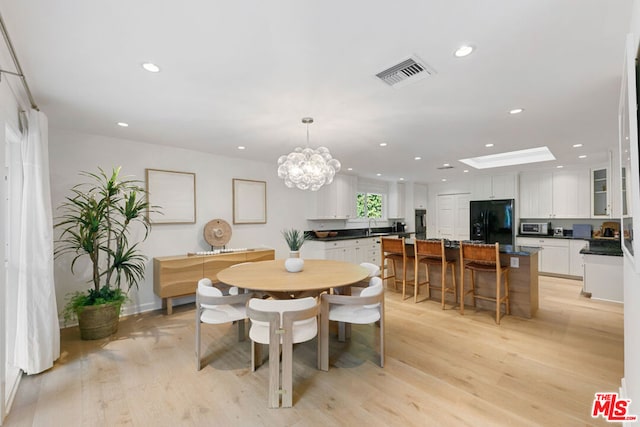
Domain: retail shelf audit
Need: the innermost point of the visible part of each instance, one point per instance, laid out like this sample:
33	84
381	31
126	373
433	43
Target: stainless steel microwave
535	228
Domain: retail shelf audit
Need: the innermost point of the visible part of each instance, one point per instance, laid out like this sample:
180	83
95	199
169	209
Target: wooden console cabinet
176	276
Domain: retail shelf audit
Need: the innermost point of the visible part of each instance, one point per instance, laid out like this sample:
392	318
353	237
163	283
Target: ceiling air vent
408	71
445	167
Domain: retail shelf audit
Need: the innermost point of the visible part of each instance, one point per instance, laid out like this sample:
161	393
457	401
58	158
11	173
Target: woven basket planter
98	321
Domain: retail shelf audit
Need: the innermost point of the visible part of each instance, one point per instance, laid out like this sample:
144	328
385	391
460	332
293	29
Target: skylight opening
511	158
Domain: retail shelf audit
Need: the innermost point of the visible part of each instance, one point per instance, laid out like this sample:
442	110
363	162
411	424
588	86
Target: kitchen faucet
374	223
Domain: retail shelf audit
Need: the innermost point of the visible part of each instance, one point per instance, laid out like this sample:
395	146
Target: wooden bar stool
484	258
393	249
432	253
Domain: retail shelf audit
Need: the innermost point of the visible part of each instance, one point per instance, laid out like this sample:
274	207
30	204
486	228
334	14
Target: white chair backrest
372	290
282	305
206	288
375	281
205	282
375	288
374	270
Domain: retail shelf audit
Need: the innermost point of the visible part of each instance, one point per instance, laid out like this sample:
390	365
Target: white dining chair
366	308
213	307
280	323
374	271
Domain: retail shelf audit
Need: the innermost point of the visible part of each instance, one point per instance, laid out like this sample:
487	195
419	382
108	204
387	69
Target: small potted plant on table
295	239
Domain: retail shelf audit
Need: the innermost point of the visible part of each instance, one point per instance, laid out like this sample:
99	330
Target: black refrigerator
491	221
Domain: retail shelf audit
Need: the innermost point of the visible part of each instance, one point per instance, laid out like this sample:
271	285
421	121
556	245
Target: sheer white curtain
37	343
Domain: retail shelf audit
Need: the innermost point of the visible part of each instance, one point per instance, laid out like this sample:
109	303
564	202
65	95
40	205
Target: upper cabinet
536	195
420	196
334	201
396	200
494	187
559	194
600	193
571	194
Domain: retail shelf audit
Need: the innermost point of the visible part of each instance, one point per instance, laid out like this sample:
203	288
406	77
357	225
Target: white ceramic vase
294	265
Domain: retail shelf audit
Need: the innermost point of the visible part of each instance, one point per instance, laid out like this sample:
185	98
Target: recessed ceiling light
123	124
516	111
444	180
446	165
241	147
378	174
530	155
582	156
466	171
488	145
417	158
577	145
463	50
152	68
401	179
559	166
349	169
383	144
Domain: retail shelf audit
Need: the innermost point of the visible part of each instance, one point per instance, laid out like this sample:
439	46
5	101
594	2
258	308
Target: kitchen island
523	278
603	270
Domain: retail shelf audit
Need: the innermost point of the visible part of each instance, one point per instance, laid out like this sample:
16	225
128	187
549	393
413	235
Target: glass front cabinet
600	202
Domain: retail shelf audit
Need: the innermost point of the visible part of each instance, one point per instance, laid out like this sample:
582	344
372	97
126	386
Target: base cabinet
353	250
576	259
557	256
554	258
603	277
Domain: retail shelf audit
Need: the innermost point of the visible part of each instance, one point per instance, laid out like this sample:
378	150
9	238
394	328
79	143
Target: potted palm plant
96	222
295	239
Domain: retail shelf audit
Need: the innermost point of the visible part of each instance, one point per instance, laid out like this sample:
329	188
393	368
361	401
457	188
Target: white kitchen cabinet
576	261
559	194
553	256
536	195
396	200
350	250
571	194
334	201
600	194
420	196
494	187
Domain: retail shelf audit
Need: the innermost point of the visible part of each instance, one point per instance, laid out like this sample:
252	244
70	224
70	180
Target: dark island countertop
520	250
606	247
602	251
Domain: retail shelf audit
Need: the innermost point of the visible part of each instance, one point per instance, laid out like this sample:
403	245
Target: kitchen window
369	205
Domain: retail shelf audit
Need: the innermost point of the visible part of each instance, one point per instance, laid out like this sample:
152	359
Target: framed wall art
174	193
249	201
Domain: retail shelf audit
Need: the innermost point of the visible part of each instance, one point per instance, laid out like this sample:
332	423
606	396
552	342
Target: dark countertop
360	236
602	251
547	236
516	250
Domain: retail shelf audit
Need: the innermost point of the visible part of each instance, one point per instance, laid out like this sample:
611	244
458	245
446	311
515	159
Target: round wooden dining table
271	277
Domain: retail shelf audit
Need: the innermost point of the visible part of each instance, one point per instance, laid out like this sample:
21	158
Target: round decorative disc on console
217	232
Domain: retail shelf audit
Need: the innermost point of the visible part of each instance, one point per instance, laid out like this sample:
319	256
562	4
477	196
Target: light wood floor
442	369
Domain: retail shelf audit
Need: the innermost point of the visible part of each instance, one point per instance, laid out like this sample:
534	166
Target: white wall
632	291
72	152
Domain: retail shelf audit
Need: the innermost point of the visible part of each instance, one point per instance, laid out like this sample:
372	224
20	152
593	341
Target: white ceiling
246	72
